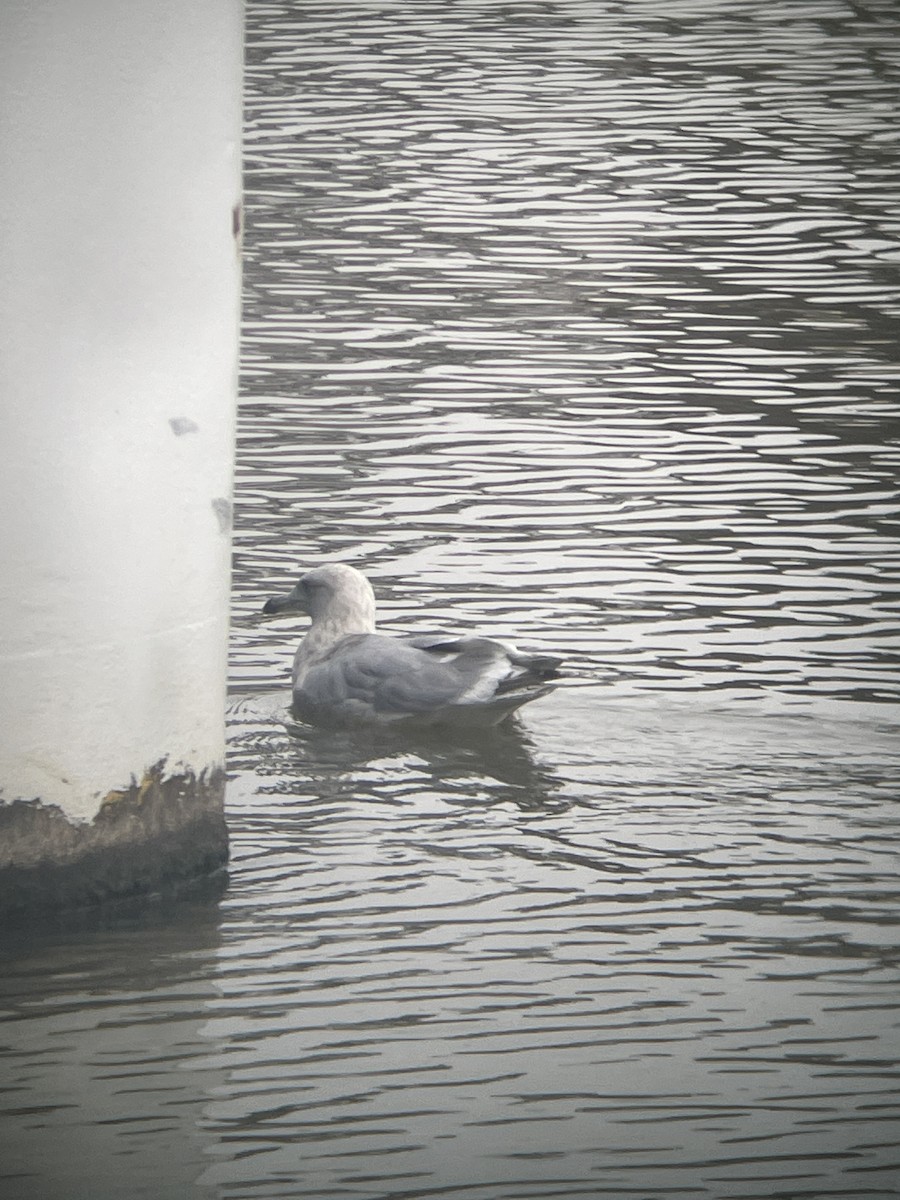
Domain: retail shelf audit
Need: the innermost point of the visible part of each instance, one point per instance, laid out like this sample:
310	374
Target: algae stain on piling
152	834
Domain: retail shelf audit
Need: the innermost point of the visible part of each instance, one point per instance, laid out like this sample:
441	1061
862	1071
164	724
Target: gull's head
335	595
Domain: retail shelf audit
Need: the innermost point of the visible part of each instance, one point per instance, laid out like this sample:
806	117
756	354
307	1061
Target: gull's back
373	678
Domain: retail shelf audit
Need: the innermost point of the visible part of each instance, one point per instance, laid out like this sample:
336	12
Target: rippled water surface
574	320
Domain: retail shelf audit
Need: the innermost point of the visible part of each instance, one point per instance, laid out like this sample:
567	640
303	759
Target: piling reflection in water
107	1063
572	322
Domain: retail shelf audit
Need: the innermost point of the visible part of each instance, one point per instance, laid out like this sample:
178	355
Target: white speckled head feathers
341	603
340	595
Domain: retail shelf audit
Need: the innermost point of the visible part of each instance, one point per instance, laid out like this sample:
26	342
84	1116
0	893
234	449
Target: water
575	321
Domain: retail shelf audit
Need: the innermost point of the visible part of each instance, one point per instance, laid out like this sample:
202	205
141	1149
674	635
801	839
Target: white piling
119	304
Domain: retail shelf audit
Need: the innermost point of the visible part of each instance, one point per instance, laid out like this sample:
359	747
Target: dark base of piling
149	837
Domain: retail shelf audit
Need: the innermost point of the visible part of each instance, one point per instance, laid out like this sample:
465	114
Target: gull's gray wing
371	677
519	667
374	677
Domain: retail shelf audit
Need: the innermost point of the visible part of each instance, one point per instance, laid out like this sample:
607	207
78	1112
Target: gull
346	674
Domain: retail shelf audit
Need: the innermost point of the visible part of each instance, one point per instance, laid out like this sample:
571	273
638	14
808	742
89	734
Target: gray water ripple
443	928
657	484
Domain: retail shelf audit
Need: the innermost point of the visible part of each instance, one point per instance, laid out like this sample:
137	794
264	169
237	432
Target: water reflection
560	306
575	322
107	1064
314	759
681	948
